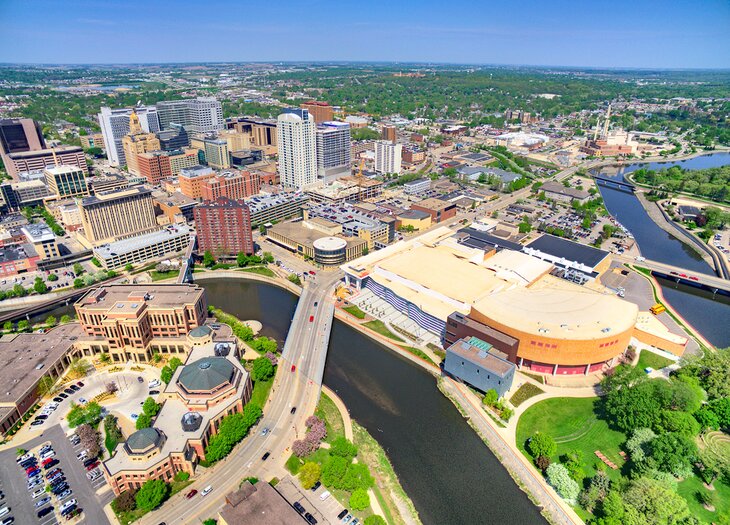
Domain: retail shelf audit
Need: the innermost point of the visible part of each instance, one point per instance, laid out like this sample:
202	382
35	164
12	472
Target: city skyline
553	34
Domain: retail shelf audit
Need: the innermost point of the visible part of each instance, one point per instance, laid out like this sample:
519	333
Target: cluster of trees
491	399
364	134
150	495
243	260
241	330
711	183
113	434
97	277
150	408
169	369
262	369
30	213
89	414
316	432
233	428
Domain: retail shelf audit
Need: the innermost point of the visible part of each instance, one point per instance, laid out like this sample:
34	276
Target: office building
192	179
418	186
199	115
42	238
92	140
413	155
260	501
158	165
438	210
317	239
66	181
261	131
224	227
38	160
320	111
107	182
174	138
174	207
216	153
277	207
157	244
377	230
232	184
389	133
333	150
237	141
297	149
137	142
117	214
387	157
18	258
18	195
115	126
18	135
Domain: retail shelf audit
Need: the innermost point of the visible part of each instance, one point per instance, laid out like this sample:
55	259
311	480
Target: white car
38	493
154	383
47	455
24	457
206	490
81	455
68	504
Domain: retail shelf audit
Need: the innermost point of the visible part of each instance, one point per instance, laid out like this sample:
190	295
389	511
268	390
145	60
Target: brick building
235	185
224	227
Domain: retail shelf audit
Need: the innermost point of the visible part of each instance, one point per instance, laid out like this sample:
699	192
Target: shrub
150	407
374	520
559	477
490	397
333	471
542	462
359	500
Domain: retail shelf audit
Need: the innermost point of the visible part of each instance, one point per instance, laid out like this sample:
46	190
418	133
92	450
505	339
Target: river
450	475
707	314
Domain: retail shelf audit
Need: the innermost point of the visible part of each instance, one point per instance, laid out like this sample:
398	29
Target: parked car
7	521
154	392
81	455
38	493
45	511
63	395
299	508
68	391
37	422
342	514
93	465
79	383
68	504
53	473
311	519
41	502
316	486
293	409
65	494
140	379
83	400
24	457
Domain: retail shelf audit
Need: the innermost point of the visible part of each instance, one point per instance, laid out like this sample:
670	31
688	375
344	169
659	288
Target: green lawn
379	327
261	391
327	410
525	392
418	352
157	276
574	423
354	310
650	359
260	270
688	490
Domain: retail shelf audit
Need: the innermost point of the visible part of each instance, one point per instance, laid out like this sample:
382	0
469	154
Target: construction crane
359	176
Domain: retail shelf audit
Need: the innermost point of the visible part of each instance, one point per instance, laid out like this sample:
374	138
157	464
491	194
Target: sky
578	33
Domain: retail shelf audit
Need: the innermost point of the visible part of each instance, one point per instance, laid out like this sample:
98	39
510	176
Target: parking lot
17	496
324	511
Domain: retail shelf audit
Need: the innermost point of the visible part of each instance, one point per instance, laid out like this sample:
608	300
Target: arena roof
569	250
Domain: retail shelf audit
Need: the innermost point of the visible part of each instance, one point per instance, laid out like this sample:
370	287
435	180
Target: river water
450	475
709	315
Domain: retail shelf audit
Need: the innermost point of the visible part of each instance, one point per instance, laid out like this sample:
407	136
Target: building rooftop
433	204
195	171
481	354
556	187
413	215
24	358
258	504
38	232
261	202
206	375
143	440
59	150
154	295
568	250
174	198
141	241
108	196
16	252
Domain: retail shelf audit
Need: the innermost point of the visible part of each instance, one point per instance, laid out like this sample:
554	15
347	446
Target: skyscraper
387	157
196	115
115	126
333	150
117	214
137	142
320	111
295	131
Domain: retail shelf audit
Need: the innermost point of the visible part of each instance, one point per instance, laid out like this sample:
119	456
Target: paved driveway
17	497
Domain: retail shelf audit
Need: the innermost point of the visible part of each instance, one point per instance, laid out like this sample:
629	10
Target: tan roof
157	295
566	312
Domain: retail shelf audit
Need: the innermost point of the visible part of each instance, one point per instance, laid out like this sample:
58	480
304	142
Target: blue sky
620	33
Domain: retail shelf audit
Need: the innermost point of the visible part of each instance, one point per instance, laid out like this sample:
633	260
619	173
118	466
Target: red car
693	278
47	462
191	494
293	367
311	318
683	275
92	466
31	469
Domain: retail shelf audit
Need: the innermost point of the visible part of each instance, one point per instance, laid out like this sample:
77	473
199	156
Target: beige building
42	239
236	140
136	142
94	140
317	239
117	214
66	181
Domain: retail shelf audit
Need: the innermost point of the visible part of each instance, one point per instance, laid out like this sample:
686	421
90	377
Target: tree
95	262
309	474
268	258
150	407
672	453
262	369
8	326
78	269
143	421
89	438
174	363
208	259
125	502
264	344
242	259
78	283
53	278
182	476
573	462
712	370
656	501
359	499
333	471
78	367
210	521
45	386
128	267
638	445
23	325
680	422
105	358
357	476
374	519
541	445
19	291
151	494
166	374
51	321
343	447
560	479
65	319
39	286
294	278
490	397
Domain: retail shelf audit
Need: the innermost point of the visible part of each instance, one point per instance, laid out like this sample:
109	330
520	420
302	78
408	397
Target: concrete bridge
711	283
613	183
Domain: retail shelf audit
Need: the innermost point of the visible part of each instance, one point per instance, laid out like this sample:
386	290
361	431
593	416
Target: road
305	348
708	280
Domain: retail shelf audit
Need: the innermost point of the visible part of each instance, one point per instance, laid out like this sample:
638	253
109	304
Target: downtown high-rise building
296	130
20	134
224	227
117	215
115	126
333	150
196	115
388	157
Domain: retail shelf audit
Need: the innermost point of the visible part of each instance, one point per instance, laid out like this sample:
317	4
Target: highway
305	348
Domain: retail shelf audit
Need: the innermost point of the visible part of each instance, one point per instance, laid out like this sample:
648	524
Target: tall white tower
296	132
